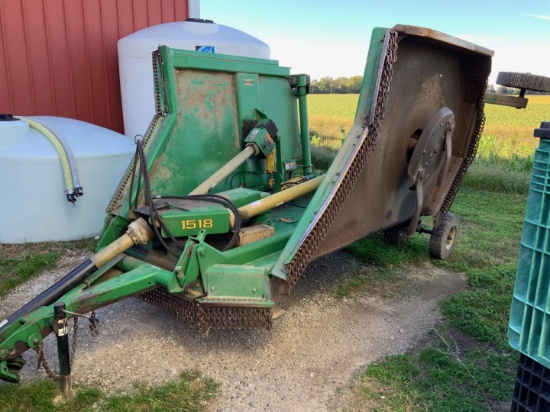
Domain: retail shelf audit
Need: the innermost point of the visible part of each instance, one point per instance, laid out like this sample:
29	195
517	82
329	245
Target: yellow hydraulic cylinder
226	170
278	199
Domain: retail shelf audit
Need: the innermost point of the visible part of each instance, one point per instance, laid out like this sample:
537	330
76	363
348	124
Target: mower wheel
525	81
397	235
443	238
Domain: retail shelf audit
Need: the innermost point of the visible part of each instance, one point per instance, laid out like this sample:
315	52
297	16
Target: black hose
54	292
220	200
155	215
152	208
133	175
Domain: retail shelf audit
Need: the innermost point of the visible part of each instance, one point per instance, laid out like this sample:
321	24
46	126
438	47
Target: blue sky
331	38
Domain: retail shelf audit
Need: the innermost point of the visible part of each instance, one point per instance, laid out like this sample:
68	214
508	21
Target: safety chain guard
470	156
124	185
209	317
311	243
161	110
382	86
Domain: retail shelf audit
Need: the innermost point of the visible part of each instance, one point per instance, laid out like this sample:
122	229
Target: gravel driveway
303	364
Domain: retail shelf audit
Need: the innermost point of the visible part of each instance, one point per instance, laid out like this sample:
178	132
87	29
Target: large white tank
136	67
33	204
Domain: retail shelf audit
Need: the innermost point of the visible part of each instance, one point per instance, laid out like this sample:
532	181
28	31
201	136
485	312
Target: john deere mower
220	211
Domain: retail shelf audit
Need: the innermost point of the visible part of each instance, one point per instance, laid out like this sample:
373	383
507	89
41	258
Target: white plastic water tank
136	67
33	204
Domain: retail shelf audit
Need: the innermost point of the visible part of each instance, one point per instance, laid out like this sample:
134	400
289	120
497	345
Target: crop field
508	132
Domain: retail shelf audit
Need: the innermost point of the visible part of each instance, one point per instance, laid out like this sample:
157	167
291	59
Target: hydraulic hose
67	149
70	172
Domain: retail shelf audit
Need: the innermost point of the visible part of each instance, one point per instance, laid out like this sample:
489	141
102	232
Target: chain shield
209	317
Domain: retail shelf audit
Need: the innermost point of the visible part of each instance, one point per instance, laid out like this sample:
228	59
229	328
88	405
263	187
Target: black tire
443	238
525	81
397	235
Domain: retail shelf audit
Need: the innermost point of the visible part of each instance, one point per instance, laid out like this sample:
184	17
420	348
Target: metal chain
206	317
41	362
75	337
470	156
384	86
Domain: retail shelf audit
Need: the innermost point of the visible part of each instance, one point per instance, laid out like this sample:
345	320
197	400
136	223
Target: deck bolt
254	290
212	289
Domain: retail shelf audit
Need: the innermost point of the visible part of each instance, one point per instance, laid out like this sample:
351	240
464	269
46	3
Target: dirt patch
303	364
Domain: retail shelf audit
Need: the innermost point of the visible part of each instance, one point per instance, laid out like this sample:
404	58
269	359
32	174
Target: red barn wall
59	57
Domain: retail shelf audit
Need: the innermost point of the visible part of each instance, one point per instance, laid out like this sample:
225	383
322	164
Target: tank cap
544	131
6	117
195	20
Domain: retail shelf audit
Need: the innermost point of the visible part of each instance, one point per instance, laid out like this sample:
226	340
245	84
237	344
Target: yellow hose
58	147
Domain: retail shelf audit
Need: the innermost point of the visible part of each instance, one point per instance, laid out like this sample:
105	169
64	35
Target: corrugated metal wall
59	57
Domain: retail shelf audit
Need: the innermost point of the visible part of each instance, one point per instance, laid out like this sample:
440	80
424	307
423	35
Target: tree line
342	85
339	85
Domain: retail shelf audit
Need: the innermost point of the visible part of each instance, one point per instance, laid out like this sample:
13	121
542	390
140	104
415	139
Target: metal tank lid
12	130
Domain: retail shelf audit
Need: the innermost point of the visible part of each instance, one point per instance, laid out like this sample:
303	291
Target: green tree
338	85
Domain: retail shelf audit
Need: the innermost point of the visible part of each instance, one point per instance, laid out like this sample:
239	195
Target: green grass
477	373
190	393
438	379
14	271
19	263
482	311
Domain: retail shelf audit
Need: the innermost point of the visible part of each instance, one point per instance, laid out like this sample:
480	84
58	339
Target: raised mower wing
411	74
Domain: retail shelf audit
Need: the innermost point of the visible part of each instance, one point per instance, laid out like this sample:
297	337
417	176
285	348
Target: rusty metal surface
375	192
349	172
59	57
404	29
426	77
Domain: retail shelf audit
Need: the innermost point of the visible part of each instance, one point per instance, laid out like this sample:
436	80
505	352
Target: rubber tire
443	238
397	235
525	81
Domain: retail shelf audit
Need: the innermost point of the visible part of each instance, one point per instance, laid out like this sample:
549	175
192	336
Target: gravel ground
314	351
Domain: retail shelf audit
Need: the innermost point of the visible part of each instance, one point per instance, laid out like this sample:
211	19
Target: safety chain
303	255
124	185
75	337
41	361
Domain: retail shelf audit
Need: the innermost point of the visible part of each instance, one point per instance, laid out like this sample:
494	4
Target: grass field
505	152
507	132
